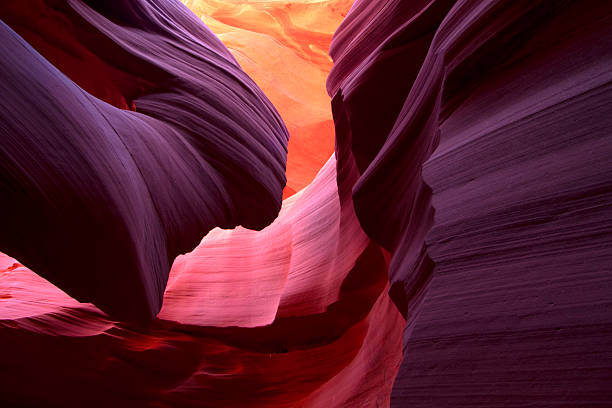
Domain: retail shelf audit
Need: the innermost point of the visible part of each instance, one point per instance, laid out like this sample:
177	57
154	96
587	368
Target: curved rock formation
297	324
292	315
100	200
485	129
283	46
455	251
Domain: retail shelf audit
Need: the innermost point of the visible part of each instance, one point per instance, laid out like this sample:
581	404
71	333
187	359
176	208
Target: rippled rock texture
99	198
482	134
454	251
294	315
283	46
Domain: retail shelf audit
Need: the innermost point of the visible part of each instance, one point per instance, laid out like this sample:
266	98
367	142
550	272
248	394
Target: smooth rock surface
100	199
454	252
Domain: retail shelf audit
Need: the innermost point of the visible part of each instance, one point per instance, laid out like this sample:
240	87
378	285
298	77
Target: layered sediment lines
453	251
482	134
283	46
90	184
296	314
250	319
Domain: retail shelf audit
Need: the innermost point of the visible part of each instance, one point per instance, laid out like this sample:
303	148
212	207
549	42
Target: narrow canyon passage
283	46
307	203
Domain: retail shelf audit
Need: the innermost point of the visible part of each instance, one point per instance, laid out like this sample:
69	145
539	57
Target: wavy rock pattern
283	46
100	200
493	158
292	315
283	330
466	210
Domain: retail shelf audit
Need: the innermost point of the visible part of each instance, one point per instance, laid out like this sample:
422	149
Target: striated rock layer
482	134
89	184
294	315
283	46
277	327
466	211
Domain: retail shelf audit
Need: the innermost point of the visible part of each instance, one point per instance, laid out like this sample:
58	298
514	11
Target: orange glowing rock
283	46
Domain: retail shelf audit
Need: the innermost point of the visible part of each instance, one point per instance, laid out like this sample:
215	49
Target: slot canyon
306	203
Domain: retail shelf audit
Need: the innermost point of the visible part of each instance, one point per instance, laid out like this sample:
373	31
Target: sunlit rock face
290	316
294	315
453	251
283	46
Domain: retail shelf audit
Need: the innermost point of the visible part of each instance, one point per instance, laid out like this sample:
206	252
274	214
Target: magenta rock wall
455	251
482	134
122	193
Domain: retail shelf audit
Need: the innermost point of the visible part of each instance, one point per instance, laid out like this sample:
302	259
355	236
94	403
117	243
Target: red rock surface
453	252
301	320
